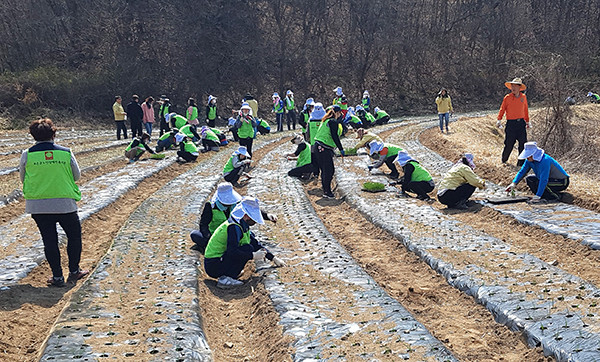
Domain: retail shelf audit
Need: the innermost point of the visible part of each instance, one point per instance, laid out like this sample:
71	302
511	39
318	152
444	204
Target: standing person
120	115
302	154
187	149
148	116
278	108
253	104
192	112
416	178
326	140
231	123
135	115
232	245
238	164
290	109
314	123
459	183
338	96
444	108
514	105
549	177
137	147
387	153
162	115
48	173
211	111
305	116
366	101
245	125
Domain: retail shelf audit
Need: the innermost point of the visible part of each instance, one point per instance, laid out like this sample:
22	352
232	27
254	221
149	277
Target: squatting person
459	183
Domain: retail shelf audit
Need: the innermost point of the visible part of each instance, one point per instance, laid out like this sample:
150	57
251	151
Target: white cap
226	194
242	150
210	98
318	112
531	149
375	146
248	206
275	95
377	109
366	93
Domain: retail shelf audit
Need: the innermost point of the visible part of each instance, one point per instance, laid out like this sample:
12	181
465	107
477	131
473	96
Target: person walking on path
416	178
245	125
278	109
326	140
120	115
148	118
514	105
232	245
444	108
137	147
459	183
549	177
164	110
135	115
48	173
192	112
211	111
302	155
290	110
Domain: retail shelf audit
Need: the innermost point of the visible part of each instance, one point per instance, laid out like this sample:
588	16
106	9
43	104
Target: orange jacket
514	107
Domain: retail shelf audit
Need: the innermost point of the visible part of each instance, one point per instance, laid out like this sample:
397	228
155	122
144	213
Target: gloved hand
343	153
536	200
278	262
246	162
499	124
370	167
510	187
527	125
272	218
259	255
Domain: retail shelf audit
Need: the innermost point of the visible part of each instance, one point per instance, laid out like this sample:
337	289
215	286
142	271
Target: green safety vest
324	135
164	110
343	106
369	117
420	173
264	123
180	121
48	175
337	100
355	120
210	135
190	147
392	149
217	245
218	217
306	116
381	114
228	166
278	107
596	96
246	130
216	131
365	102
313	127
140	146
187	130
212	112
289	103
194	114
165	136
304	157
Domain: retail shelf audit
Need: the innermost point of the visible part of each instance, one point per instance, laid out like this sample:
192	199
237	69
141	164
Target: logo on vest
49	155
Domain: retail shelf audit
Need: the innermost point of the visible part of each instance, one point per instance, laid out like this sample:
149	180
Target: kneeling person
187	149
302	154
210	141
459	183
237	164
167	140
416	178
137	147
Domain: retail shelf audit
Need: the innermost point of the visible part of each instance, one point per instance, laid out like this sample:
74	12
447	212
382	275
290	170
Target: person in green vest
215	212
309	105
210	141
278	109
365	117
163	111
263	127
192	112
211	111
232	245
167	140
245	125
381	116
290	110
221	135
176	120
326	141
48	173
416	178
237	165
191	132
343	105
338	96
302	155
314	123
137	147
595	98
366	101
188	152
387	154
351	120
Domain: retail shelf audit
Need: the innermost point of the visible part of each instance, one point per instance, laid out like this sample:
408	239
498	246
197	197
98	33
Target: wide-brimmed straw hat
531	149
516	81
248	206
226	194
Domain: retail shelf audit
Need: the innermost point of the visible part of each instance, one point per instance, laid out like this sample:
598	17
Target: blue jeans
443	116
148	128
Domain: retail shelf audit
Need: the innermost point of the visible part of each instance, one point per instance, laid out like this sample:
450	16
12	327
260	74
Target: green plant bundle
373	186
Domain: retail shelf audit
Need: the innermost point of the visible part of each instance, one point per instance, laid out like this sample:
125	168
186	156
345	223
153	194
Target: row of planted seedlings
553	308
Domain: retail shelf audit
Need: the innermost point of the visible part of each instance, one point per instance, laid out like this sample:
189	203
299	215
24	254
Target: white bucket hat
377	109
275	95
470	157
226	194
211	97
246	106
242	150
403	157
179	137
248	206
365	94
375	146
531	149
338	91
289	92
310	102
318	112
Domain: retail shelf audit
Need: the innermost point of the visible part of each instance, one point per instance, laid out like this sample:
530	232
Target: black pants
516	130
263	130
121	127
553	186
389	162
302	170
234	175
164	127
383	120
452	198
163	144
187	156
200	240
72	227
211	122
230	264
291	119
279	121
324	158
248	143
136	129
209	144
234	134
421	188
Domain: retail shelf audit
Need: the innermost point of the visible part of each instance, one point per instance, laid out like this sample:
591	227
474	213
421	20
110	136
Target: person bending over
459	183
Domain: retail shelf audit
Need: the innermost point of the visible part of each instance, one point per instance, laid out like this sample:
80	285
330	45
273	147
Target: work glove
536	200
499	124
259	255
272	218
246	162
278	262
343	153
510	187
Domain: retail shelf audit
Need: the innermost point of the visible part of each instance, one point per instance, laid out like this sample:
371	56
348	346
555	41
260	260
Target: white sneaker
225	282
